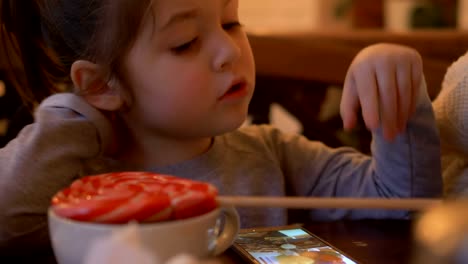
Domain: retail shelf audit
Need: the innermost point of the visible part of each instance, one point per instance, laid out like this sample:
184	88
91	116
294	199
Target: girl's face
190	72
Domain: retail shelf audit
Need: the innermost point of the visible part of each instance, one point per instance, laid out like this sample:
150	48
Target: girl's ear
97	89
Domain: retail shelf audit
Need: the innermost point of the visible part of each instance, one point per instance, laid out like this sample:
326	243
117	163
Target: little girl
164	86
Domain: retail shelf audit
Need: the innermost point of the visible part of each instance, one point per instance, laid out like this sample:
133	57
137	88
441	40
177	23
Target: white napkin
124	247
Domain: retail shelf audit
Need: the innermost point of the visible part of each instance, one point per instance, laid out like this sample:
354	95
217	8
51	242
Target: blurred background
347	14
302	50
326	34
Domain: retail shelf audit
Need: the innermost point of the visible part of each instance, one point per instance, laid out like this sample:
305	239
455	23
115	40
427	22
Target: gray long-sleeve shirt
68	138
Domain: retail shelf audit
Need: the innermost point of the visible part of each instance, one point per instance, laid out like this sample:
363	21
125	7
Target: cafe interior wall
262	16
266	15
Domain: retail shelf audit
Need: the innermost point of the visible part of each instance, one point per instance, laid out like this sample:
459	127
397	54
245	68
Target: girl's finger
368	93
388	103
405	95
349	103
417	79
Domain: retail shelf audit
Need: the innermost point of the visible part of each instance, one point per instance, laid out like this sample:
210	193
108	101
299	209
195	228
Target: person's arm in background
451	112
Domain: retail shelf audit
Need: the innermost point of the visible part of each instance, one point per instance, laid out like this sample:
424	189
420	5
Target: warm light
296	15
2	88
442	229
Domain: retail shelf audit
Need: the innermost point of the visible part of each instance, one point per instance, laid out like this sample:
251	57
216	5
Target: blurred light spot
2	88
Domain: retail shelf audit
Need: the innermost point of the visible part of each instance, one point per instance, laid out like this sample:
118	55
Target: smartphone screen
286	245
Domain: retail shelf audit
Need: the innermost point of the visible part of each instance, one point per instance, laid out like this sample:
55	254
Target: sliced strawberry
140	196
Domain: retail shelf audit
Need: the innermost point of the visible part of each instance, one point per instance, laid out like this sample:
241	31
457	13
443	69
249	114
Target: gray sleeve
407	167
44	158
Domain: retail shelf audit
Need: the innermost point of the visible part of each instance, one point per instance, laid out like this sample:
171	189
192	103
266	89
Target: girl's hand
383	81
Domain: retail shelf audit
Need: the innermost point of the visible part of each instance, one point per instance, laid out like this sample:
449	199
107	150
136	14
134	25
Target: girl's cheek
194	81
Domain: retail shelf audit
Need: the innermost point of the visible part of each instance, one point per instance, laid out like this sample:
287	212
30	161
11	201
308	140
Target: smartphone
286	244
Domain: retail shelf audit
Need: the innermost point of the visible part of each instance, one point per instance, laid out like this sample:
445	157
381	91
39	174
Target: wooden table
367	241
370	241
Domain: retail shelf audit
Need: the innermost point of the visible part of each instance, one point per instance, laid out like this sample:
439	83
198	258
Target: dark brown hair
47	36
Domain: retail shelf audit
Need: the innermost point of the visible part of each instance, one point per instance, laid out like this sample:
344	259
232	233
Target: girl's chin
240	122
231	126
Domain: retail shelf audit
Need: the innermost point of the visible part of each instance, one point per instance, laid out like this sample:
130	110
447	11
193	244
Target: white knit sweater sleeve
451	113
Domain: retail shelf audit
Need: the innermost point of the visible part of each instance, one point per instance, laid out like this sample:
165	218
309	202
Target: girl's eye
184	47
231	25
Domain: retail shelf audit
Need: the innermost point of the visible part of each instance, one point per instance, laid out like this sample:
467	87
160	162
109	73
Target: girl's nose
227	52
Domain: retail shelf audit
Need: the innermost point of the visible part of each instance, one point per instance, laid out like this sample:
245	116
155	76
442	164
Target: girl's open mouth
236	91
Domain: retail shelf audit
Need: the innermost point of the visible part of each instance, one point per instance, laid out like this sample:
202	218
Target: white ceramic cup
200	236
